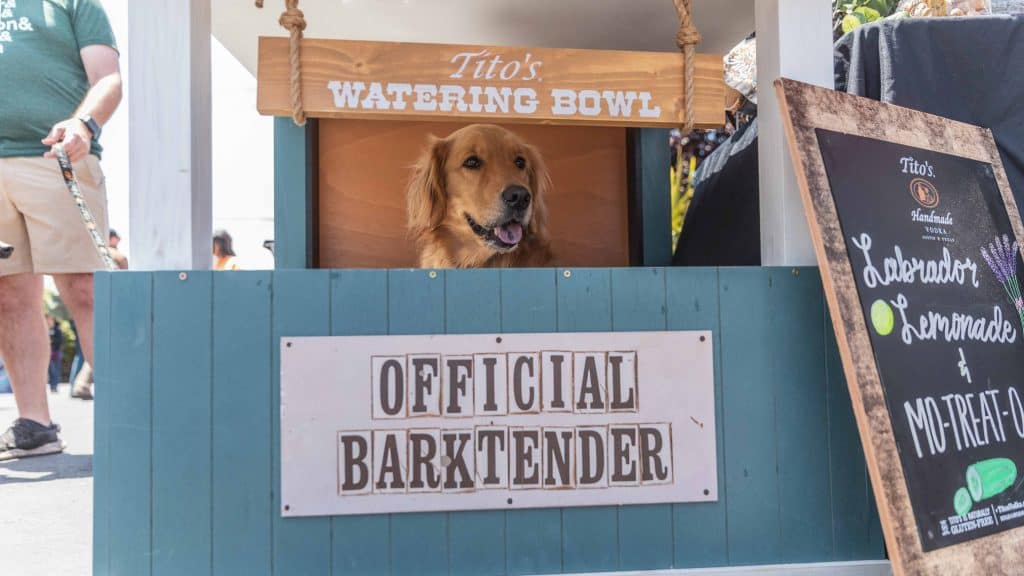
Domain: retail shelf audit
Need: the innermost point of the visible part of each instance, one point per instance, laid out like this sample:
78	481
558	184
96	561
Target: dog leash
83	209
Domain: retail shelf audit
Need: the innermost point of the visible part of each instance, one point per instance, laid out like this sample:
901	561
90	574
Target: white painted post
170	160
794	40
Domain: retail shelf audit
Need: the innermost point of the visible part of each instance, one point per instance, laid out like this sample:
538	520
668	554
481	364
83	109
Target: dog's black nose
516	197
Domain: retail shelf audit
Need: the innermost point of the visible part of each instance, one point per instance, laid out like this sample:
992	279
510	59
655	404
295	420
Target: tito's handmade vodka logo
926	195
923	191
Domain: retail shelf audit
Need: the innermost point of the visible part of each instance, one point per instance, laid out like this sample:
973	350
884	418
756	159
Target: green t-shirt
42	79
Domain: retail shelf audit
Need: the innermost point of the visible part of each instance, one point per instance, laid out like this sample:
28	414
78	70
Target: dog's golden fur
449	192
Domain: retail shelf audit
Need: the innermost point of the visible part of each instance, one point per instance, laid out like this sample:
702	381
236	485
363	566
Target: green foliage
682	193
54	306
848	15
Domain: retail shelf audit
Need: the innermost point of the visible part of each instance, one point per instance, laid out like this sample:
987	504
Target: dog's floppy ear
540	184
426	199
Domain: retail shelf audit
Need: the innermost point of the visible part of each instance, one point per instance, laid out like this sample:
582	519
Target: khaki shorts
39	217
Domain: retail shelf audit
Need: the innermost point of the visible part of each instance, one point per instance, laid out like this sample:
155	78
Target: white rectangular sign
377	424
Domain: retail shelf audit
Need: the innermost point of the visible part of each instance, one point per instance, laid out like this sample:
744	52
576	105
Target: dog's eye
520	162
472	163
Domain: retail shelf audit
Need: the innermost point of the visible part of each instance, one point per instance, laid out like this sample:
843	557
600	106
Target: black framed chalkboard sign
919	238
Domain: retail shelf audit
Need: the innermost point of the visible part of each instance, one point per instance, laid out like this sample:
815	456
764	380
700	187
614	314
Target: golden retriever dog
476	200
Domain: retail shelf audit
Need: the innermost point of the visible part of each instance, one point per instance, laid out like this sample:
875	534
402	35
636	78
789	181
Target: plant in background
54	306
848	15
1001	258
681	185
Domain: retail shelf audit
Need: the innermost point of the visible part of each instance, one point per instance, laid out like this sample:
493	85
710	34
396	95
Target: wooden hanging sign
916	232
391	80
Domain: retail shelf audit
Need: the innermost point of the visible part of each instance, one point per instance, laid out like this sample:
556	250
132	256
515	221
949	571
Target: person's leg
54	379
24	345
76	292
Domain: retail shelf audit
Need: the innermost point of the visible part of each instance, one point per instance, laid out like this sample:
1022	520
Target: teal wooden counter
187	423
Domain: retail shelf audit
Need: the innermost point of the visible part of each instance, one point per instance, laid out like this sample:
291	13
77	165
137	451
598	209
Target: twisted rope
293	20
687	39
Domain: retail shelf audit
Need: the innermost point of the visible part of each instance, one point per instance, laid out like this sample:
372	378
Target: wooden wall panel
776	386
365	165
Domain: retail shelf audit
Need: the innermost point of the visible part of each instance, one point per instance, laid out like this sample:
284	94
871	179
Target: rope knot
293	19
688	36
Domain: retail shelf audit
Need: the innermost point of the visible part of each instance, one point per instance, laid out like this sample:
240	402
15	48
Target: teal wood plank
476	543
533	541
801	414
528	300
416	302
645	537
648	157
419	544
585	305
129	398
748	340
476	539
301	307
416	305
296	177
590	539
846	462
182	418
699	530
645	532
584	300
533	538
241	423
359	302
359	306
473	301
101	427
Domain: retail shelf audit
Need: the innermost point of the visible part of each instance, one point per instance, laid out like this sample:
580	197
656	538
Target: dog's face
484	186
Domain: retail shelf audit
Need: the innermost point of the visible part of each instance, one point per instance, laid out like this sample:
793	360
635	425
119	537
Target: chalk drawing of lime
989	477
881	317
962	502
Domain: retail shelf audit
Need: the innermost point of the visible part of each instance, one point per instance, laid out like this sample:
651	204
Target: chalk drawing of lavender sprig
1001	257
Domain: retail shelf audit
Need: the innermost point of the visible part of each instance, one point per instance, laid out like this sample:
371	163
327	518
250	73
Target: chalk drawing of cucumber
985	479
988	478
962	501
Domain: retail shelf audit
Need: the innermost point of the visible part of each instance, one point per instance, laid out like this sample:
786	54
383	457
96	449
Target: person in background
119	258
56	355
223	253
61	82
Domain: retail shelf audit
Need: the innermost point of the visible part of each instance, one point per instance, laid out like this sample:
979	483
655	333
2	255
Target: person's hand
74	135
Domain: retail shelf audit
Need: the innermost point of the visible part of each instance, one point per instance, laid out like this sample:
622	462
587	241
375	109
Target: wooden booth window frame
297	183
297	148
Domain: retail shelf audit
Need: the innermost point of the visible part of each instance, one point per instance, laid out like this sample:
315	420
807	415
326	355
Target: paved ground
46	502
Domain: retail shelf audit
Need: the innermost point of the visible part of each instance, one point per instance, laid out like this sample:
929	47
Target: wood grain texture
301	306
365	167
359	306
129	410
699	529
101	496
755	355
241	433
182	416
324	61
805	108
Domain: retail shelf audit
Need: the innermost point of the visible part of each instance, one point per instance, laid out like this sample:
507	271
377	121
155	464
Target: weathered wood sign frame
805	109
410	81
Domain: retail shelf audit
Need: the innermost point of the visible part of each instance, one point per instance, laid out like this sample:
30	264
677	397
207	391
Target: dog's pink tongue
510	233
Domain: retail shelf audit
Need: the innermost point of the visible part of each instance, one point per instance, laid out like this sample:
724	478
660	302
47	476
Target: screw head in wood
182	276
567	273
432	274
